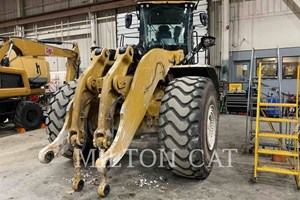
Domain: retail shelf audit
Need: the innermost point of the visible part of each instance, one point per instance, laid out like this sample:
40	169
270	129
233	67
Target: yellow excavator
152	87
24	72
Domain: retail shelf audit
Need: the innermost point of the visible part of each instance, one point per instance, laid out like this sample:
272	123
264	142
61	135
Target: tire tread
57	112
178	124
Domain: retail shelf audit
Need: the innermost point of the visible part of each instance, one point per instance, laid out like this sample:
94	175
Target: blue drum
273	111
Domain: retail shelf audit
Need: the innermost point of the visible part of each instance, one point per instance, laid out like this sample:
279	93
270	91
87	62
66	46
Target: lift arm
78	109
152	69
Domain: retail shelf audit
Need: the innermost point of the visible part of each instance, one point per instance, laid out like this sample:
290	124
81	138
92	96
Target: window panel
269	67
289	67
241	72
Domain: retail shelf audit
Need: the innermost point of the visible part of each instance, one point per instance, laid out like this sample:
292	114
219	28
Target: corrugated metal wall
127	36
259	23
8	9
106	29
7	31
202	31
73	29
59	28
33	7
260	7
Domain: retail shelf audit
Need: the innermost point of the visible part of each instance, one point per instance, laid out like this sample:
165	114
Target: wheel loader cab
167	26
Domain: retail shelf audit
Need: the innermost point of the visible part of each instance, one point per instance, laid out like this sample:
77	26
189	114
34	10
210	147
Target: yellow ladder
293	168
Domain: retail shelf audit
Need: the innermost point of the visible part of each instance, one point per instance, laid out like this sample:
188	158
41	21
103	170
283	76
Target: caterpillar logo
49	51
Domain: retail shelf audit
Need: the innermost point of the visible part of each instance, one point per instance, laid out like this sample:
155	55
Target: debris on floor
151	183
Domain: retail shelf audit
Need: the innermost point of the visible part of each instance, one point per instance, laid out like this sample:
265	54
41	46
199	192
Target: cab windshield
166	26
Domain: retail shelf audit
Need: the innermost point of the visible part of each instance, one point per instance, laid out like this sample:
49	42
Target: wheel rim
211	127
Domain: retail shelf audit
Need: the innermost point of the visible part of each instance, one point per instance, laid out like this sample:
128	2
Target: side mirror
128	20
208	41
203	18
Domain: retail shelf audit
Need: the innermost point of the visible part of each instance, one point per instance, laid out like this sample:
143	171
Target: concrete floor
22	176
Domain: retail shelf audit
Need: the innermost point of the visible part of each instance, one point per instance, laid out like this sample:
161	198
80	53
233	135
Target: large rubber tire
186	106
29	115
56	117
57	112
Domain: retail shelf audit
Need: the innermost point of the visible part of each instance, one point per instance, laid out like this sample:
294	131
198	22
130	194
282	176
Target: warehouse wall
214	29
201	31
72	29
131	36
106	29
259	24
270	27
9	10
264	24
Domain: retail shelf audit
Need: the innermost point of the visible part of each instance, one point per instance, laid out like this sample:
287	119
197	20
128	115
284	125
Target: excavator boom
23	59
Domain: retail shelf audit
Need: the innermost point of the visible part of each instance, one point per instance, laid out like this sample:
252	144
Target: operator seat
177	32
163	33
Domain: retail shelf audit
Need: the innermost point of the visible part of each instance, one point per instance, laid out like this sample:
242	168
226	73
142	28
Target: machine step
283	120
253	131
279	104
279	136
278	152
277	170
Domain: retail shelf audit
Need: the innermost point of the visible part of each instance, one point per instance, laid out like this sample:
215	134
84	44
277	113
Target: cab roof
165	2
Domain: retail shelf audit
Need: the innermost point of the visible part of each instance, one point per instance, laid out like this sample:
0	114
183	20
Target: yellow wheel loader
153	86
25	72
